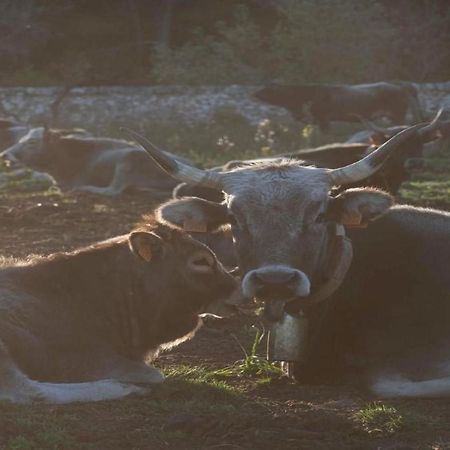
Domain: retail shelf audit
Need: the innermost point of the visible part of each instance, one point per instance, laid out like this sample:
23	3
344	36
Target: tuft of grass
252	365
377	418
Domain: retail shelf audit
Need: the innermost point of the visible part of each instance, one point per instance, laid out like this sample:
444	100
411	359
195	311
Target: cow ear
358	206
193	214
145	245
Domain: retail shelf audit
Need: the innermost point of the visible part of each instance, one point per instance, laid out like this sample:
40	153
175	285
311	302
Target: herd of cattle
80	326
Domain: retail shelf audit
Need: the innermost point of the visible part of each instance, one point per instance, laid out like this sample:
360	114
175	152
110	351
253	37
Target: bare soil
190	411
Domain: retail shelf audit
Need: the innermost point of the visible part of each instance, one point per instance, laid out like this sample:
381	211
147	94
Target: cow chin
274	310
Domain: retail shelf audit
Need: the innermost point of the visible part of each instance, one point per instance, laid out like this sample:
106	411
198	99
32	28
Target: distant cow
84	163
78	326
342	102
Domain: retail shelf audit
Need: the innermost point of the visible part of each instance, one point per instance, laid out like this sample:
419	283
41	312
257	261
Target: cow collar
338	263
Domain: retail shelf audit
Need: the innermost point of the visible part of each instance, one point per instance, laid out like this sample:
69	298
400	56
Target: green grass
252	365
377	418
434	191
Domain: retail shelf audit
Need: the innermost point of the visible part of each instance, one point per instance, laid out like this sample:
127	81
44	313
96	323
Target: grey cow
85	163
378	304
79	326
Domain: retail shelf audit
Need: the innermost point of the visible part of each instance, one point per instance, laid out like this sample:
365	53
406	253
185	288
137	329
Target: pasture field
212	399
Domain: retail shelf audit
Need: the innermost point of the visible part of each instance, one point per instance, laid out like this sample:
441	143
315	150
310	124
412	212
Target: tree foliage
216	42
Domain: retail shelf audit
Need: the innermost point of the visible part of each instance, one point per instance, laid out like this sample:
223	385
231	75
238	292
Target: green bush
221	59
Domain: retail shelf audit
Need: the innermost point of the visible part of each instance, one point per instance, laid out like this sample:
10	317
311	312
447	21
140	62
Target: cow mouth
274	309
10	163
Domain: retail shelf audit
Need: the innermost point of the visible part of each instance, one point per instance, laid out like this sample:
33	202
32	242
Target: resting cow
78	326
84	163
389	304
342	102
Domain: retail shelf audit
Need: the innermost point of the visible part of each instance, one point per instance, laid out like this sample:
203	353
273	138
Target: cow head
38	149
280	215
199	282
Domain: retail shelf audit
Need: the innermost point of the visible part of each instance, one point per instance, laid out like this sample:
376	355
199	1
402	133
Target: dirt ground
196	409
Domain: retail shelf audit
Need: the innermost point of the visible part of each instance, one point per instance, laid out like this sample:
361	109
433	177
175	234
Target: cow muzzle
275	285
9	159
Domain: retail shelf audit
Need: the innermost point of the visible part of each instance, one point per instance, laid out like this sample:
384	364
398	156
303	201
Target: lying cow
84	163
342	102
383	295
78	326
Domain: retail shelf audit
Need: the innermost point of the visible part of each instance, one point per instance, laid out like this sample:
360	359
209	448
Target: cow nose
8	159
280	282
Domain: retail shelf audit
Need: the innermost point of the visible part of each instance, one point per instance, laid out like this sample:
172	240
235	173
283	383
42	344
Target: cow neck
339	253
131	332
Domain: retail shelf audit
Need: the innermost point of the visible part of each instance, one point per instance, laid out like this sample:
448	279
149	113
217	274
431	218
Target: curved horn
176	168
433	124
371	163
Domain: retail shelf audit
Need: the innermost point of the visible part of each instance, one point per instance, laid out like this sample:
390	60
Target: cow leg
120	181
402	387
92	391
15	386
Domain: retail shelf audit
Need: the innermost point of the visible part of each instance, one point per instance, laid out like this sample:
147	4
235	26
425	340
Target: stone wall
99	108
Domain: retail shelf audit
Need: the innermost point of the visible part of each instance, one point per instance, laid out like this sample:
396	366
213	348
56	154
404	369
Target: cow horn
433	124
176	168
365	167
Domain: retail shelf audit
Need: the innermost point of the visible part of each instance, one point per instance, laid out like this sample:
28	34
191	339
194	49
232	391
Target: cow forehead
282	188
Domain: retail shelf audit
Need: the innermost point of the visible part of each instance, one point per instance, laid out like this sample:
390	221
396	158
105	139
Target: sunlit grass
377	418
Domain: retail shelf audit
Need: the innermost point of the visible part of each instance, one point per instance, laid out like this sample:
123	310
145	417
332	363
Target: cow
11	131
84	163
80	326
289	236
342	102
389	177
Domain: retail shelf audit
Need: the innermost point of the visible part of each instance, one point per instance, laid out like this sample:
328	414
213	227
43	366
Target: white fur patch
402	387
94	391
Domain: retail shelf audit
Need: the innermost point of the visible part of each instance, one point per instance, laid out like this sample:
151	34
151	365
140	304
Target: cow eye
201	262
